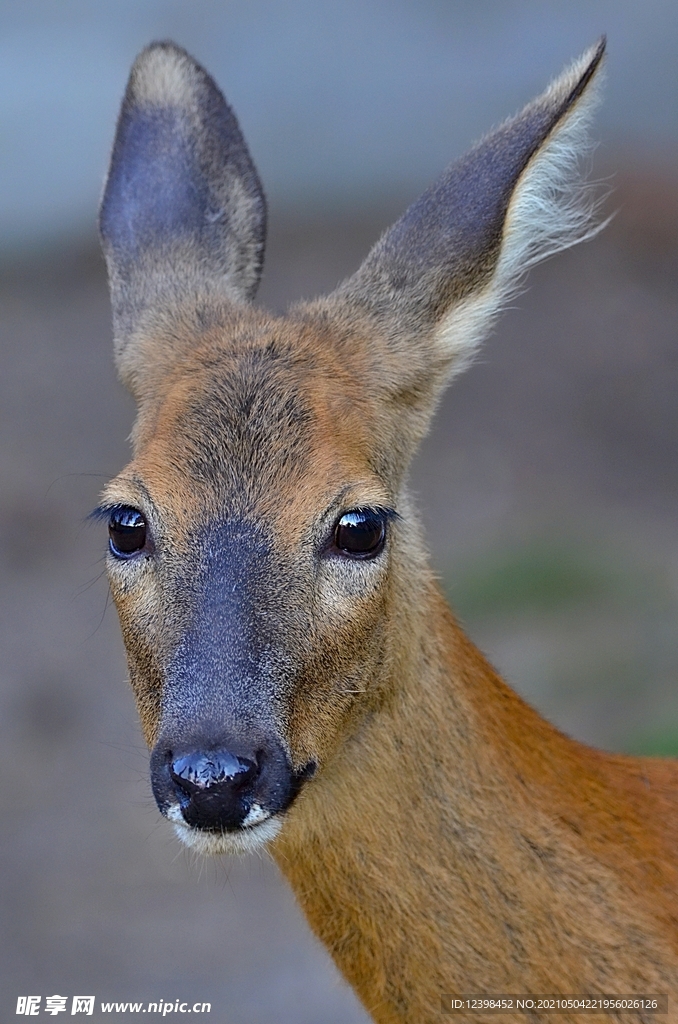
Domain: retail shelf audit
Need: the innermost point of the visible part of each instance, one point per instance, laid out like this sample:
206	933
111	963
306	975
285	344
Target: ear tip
162	53
592	57
167	46
164	74
567	90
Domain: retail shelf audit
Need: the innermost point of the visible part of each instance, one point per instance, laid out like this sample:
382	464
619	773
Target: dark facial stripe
229	662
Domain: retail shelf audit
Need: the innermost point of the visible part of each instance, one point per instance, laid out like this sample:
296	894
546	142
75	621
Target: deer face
251	542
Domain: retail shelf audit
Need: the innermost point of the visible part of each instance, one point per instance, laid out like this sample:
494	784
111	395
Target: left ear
430	289
183	214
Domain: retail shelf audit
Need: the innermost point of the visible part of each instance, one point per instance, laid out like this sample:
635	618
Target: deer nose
212	786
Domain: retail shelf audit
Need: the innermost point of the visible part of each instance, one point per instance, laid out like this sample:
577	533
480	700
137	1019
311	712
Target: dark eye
360	533
126	532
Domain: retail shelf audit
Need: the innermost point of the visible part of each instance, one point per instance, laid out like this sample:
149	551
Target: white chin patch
258	828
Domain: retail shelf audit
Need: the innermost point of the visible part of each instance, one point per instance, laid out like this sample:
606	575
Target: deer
301	682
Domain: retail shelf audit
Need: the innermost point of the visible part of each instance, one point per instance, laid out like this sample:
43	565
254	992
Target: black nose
225	781
212	788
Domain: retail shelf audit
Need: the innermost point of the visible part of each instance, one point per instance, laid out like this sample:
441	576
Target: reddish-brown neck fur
461	844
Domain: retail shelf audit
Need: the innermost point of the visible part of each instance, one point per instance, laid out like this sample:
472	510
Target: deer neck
449	850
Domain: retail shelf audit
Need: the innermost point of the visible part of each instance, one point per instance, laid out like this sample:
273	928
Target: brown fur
452	841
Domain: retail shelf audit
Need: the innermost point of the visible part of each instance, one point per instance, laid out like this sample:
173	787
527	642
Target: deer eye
360	533
126	532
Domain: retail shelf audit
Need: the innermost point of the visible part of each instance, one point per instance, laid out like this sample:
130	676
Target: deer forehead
273	424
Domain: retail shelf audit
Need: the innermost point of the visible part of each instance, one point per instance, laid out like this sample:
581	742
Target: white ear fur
552	208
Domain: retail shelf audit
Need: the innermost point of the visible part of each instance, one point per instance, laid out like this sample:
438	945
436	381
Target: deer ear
183	211
432	286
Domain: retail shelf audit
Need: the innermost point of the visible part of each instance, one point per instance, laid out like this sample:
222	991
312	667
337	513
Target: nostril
198	771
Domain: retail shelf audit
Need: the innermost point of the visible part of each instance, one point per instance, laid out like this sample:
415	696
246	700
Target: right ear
432	286
183	213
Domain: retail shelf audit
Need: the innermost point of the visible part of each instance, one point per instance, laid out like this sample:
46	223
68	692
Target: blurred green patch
540	577
656	743
585	630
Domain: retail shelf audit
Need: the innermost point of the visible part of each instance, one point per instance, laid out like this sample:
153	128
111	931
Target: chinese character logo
55	1004
28	1005
83	1004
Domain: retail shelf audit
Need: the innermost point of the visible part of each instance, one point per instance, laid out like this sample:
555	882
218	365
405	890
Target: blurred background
548	485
